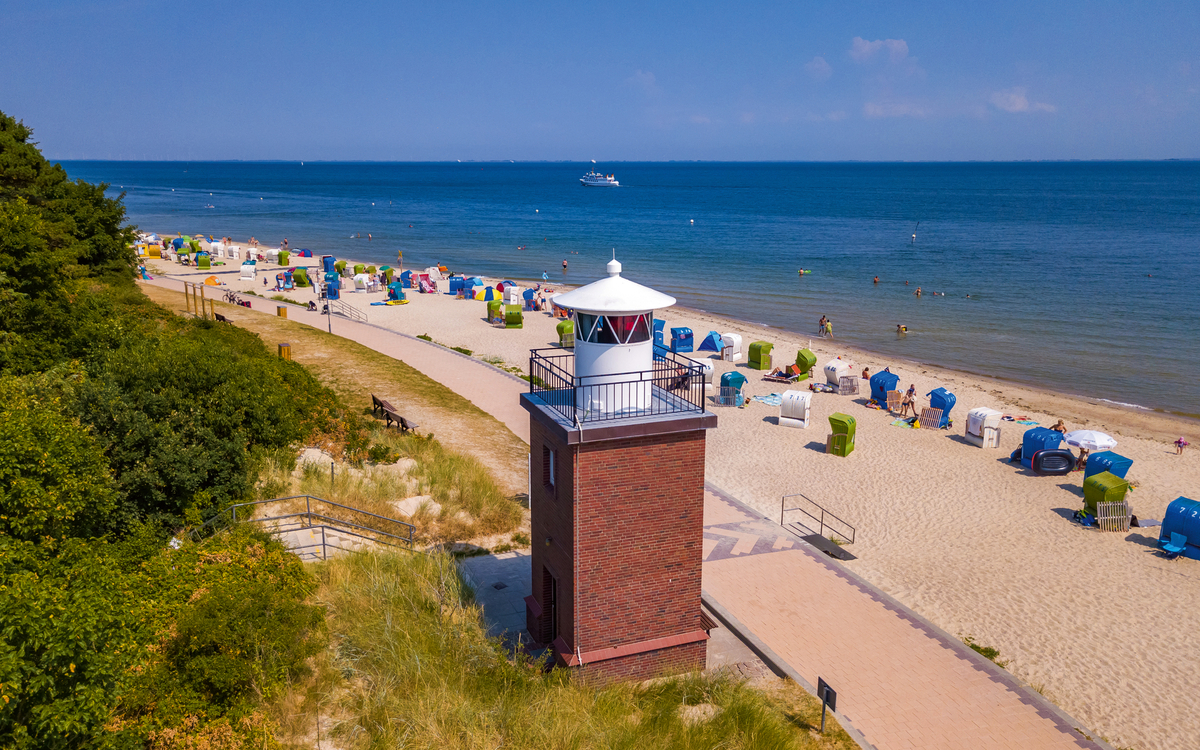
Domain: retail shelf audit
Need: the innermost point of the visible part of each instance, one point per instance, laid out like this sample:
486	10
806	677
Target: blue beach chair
1174	548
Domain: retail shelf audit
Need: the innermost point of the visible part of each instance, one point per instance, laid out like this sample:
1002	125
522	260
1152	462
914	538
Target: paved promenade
901	681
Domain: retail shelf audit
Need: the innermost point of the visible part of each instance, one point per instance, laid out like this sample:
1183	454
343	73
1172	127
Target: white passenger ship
595	179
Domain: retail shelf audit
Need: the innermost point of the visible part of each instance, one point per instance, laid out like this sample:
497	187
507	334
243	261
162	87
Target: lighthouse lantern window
613	329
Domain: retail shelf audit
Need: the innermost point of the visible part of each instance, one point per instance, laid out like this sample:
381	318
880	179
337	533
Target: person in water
918	292
821	326
876	279
564	264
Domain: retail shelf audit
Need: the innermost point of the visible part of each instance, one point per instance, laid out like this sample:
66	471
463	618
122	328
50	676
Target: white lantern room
614	342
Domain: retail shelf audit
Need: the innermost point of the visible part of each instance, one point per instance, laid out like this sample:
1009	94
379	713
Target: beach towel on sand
901	423
774	399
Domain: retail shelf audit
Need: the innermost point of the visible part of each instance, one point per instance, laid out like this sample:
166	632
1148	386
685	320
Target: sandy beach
1098	622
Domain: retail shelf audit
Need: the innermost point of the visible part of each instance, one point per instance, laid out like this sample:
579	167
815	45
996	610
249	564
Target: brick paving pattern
901	682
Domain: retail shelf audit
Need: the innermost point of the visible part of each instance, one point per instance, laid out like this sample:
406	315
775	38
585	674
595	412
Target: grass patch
987	652
418	671
462	350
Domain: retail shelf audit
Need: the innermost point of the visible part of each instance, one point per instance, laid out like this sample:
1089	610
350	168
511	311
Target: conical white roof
614	295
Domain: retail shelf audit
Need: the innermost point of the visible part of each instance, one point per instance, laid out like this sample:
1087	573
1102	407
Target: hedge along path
356	371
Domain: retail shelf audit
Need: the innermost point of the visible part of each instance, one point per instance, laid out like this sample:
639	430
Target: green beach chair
566	334
359	268
841	441
513	318
1104	487
760	355
805	360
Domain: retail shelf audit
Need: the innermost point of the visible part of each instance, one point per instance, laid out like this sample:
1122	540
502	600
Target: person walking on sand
1180	444
909	401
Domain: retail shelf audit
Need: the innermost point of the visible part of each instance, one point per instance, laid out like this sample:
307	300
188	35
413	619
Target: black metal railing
673	385
823	518
335	523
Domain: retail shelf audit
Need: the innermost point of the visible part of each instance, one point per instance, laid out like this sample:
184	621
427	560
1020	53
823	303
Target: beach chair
893	400
930	418
1175	547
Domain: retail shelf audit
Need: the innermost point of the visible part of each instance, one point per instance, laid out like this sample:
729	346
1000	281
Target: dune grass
472	504
415	669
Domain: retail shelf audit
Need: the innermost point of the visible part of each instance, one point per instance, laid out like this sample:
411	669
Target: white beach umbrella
1090	440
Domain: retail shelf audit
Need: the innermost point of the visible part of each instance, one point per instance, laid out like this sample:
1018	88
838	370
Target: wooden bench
405	425
379	407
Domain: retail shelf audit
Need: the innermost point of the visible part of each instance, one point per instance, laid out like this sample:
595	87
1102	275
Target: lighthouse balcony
673	387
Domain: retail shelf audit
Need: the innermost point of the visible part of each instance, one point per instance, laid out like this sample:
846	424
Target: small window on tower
548	467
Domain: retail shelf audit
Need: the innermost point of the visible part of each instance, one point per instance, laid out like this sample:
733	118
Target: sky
611	81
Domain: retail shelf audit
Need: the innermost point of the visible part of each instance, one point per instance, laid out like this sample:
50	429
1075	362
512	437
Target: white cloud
836	116
644	80
818	69
863	51
1015	100
876	110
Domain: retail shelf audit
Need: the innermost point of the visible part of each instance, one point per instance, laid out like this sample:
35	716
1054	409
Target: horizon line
632	161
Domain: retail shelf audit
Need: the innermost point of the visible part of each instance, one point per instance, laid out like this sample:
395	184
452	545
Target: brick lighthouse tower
617	494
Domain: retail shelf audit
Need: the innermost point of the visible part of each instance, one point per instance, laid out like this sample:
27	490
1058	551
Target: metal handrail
339	523
347	310
230	515
819	519
676	385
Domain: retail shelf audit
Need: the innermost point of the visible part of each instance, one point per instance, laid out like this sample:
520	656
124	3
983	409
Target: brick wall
689	657
552	515
639	527
626	546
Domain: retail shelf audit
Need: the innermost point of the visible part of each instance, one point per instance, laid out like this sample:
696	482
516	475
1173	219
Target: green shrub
66	640
382	454
54	482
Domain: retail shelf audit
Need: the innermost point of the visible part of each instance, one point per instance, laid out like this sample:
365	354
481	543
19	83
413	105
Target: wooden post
203	302
285	351
187	300
281	311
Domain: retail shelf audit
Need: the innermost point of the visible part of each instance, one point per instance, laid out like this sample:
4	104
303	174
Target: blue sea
1082	276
